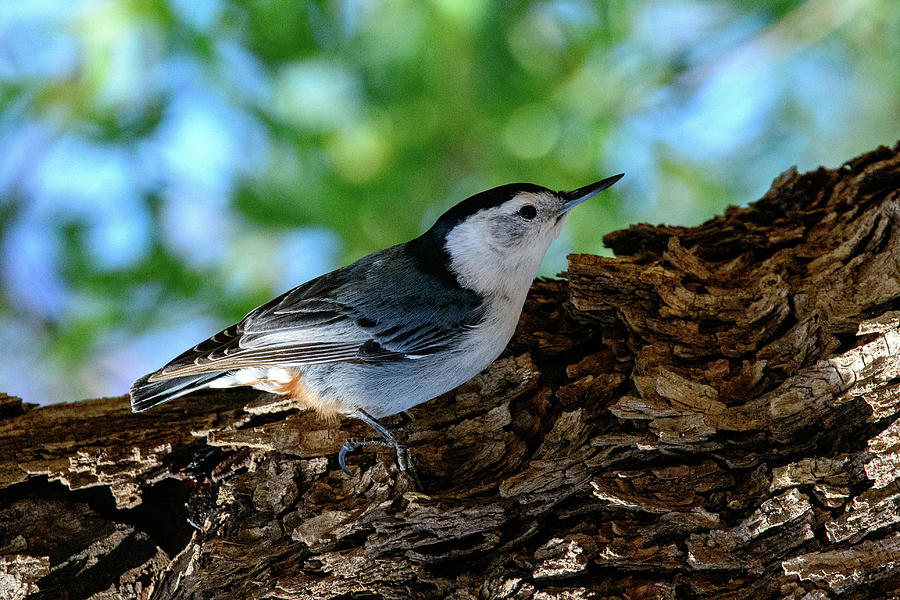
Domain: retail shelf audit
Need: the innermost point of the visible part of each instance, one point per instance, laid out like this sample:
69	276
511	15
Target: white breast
487	341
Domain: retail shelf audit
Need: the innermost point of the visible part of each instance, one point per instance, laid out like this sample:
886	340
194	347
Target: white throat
489	269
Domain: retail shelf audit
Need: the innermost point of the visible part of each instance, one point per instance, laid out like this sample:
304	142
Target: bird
394	329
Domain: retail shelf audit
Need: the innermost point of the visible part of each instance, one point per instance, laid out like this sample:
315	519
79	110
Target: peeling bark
711	414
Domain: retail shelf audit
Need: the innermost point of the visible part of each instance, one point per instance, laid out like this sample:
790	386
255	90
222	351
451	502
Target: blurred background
167	165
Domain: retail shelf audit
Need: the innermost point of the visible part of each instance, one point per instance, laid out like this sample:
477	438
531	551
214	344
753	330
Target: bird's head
495	240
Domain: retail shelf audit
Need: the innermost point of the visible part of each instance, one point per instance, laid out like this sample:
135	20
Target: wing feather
352	314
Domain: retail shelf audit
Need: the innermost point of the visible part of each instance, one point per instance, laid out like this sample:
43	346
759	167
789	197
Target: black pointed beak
576	197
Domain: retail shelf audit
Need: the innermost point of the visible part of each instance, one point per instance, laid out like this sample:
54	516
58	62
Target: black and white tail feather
160	386
146	394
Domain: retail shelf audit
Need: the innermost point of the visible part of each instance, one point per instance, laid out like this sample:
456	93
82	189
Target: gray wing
382	308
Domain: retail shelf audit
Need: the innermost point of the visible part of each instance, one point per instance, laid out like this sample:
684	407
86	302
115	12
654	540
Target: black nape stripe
428	249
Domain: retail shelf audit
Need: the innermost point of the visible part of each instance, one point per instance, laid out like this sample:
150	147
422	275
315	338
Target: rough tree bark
712	414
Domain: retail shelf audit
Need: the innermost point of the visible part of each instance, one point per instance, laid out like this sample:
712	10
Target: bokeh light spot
359	153
464	12
317	95
531	131
536	40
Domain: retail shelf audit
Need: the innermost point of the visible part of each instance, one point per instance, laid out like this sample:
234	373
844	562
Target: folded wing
358	313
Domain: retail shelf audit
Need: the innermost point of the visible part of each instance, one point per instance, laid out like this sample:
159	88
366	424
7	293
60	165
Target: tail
147	394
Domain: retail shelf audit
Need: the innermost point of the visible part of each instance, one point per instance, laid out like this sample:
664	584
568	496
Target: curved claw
351	445
405	461
344	450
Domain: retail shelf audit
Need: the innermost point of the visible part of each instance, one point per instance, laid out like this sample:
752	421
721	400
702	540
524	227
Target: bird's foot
405	461
354	444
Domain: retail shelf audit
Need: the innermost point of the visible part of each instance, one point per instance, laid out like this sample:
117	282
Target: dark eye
528	212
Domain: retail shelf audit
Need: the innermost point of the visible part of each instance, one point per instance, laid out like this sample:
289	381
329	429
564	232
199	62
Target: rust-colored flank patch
328	410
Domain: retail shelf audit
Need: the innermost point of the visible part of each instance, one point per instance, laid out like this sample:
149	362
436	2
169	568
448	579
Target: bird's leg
404	458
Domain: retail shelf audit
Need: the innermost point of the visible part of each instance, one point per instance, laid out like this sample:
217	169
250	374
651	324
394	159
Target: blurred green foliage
167	165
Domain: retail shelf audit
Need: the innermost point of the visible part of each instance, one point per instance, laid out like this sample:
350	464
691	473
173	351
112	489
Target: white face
499	250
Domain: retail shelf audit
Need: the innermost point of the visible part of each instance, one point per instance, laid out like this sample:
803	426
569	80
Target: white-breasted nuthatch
394	329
